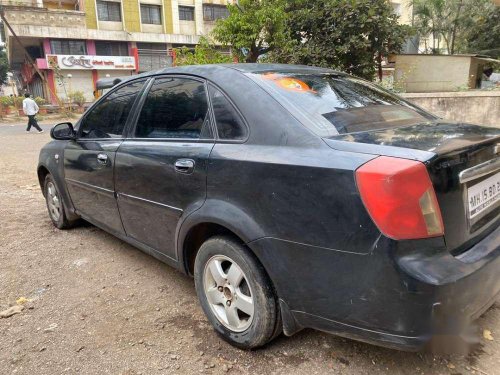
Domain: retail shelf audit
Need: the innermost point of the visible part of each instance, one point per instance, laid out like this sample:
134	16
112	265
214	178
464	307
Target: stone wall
477	107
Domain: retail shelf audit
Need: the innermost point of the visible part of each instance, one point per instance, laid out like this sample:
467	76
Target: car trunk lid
463	163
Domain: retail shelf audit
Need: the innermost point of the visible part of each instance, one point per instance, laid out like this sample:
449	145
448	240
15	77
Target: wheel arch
196	236
215	217
42	173
221	218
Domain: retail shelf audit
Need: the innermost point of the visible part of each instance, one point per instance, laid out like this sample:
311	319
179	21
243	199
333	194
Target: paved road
99	305
13	129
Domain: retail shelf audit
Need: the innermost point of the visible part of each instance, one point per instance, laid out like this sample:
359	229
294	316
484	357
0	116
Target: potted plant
78	98
18	103
2	106
40	102
5	103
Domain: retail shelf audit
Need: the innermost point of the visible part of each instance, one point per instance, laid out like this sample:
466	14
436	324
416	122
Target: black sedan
295	196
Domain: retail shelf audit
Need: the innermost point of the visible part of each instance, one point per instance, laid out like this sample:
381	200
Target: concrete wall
187	27
131	15
44	18
38	31
110	25
478	107
432	73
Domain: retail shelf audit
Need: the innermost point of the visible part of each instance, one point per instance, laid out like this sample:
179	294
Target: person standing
30	109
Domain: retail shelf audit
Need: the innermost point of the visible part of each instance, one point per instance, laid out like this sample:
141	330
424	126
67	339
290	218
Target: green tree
4	67
350	35
204	53
253	28
484	36
428	21
449	20
77	97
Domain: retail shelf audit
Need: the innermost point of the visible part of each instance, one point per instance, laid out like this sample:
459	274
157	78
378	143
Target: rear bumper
398	296
463	287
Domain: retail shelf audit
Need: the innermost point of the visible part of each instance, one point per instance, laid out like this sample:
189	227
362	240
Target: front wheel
55	205
236	293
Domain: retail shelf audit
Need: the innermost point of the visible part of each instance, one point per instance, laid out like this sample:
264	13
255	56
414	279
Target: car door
89	159
160	169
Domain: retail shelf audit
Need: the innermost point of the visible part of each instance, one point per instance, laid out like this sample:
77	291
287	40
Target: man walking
30	109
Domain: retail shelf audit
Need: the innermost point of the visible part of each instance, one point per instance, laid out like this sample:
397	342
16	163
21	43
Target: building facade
404	9
73	43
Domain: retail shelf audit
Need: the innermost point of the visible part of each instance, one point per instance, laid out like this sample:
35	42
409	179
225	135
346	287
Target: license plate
483	195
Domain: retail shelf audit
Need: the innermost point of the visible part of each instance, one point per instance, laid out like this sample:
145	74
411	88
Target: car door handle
184	166
102	158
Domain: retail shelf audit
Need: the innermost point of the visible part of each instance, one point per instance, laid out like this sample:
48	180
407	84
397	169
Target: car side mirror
63	131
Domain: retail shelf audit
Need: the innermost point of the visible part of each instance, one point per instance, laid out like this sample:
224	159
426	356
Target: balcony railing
53	4
39	16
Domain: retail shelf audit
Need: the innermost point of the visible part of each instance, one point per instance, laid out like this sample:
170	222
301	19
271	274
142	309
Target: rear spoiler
107	83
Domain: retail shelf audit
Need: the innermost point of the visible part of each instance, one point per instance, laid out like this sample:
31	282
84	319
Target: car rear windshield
332	104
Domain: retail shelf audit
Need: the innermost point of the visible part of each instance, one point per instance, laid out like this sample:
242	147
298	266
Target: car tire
225	270
55	206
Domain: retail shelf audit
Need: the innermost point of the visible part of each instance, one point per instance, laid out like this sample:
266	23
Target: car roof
209	69
257	68
249	68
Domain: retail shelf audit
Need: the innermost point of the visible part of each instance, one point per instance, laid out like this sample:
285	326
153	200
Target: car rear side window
331	104
230	125
175	108
108	118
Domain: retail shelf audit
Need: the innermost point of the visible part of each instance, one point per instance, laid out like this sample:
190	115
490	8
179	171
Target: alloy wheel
53	201
228	293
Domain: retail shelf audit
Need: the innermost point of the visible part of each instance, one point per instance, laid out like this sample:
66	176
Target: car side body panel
293	193
90	183
152	195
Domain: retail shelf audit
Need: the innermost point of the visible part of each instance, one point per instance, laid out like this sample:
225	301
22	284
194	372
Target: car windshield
331	104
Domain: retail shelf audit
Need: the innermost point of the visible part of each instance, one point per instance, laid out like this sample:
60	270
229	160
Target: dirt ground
97	305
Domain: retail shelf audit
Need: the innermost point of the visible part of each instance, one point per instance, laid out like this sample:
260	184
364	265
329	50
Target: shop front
70	73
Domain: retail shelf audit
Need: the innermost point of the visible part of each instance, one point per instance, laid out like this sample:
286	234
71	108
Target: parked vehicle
295	196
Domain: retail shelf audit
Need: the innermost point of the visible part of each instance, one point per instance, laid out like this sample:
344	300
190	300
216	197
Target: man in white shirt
30	109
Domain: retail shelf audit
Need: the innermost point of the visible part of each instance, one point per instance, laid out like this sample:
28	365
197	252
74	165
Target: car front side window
175	108
108	118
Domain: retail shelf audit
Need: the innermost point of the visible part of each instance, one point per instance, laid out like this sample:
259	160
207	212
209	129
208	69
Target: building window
68	47
153	56
109	11
111	48
151	14
212	12
396	8
186	13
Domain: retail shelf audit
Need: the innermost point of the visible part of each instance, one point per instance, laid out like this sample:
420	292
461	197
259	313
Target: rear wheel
55	205
235	293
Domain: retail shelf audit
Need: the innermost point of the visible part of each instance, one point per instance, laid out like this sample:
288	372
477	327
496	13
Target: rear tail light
400	198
